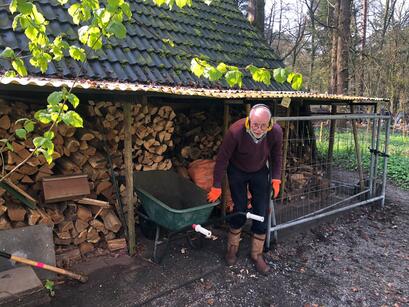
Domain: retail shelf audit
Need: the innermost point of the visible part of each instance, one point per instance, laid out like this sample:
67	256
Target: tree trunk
363	45
255	14
333	13
344	22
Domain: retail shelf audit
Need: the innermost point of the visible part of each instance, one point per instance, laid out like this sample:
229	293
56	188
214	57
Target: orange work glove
275	183
214	194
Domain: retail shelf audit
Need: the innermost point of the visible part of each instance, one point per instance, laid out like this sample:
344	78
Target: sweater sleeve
276	152
223	156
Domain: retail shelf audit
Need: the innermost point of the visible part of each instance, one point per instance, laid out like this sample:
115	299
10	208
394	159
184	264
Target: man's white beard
255	138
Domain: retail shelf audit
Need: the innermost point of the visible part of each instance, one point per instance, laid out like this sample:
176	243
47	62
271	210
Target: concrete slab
33	242
21	287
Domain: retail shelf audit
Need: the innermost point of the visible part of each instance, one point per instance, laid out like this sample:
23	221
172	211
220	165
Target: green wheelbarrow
173	205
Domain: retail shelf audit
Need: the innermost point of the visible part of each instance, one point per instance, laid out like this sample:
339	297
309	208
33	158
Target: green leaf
31	33
75	12
212	73
55	116
280	74
25	7
260	75
169	42
10	74
49	135
7	53
18	65
77	53
13	6
234	77
296	82
9	146
42	116
159	2
55	98
113	4
21	133
39	141
126	9
118	29
222	68
72	118
38	17
29	126
183	3
198	66
73	100
290	77
41	60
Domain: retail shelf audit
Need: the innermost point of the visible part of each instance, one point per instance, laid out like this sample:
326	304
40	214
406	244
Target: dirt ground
360	258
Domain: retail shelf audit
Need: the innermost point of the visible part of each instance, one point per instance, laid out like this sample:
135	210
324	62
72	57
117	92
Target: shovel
44	266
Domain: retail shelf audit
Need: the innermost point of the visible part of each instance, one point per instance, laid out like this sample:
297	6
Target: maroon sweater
239	149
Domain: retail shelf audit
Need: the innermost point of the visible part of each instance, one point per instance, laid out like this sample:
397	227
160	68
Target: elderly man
250	150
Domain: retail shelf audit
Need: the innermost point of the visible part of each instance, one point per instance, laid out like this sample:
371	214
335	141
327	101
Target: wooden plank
59	188
94	202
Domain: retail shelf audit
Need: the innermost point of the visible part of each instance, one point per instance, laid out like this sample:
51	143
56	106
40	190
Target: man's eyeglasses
263	126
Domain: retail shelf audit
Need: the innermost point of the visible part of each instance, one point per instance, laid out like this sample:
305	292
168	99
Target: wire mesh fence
330	163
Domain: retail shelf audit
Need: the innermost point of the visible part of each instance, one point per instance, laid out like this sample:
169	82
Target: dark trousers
259	188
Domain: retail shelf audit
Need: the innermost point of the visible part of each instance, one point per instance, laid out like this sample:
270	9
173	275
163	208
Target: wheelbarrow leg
157	255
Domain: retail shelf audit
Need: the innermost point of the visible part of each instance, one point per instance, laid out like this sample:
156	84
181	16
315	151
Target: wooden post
226	120
331	142
285	151
321	127
129	178
357	151
248	108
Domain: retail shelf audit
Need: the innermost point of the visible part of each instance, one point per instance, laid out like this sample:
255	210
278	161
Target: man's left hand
275	183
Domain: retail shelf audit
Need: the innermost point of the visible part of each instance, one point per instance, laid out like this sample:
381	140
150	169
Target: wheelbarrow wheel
195	240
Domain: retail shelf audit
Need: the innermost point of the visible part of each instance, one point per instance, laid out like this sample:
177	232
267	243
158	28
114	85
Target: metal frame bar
385	159
375	141
315	217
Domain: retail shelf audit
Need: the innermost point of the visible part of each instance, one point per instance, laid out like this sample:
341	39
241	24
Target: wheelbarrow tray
171	200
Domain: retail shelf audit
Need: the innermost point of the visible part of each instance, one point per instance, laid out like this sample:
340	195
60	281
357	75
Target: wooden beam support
357	151
332	127
226	120
129	177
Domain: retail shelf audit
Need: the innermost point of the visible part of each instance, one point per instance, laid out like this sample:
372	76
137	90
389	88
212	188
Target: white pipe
255	217
202	230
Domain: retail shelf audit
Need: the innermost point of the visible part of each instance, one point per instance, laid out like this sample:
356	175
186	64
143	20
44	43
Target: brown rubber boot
233	241
257	245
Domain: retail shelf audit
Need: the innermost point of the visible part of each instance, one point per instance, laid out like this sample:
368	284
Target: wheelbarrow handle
255	217
202	230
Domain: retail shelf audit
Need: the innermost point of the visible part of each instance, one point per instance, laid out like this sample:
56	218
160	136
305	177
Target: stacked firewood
76	151
81	153
81	224
197	136
151	127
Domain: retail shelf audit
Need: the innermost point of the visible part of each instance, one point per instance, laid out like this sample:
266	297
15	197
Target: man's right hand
214	194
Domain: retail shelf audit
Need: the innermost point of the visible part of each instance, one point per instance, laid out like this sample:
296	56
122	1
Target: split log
116	244
111	221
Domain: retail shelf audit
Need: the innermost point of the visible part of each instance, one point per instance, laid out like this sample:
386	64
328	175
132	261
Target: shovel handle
44	266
